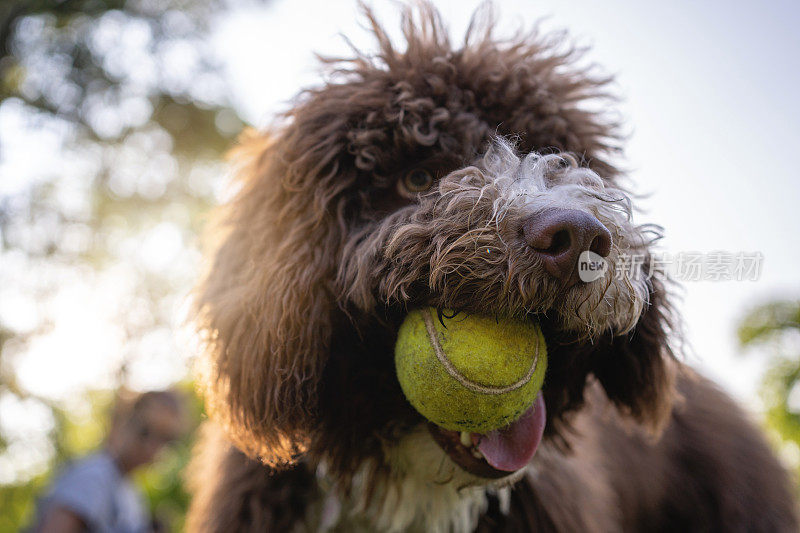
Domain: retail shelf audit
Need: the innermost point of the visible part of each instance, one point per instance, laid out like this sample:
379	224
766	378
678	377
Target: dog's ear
264	307
637	370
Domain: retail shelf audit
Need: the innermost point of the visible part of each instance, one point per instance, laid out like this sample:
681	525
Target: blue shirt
94	489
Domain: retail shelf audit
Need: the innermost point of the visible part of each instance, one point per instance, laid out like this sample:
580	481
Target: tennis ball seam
450	368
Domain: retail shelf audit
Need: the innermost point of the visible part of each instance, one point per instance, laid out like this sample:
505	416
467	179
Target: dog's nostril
559	236
561	242
601	244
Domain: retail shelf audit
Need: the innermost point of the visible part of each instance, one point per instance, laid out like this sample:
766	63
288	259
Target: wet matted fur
324	249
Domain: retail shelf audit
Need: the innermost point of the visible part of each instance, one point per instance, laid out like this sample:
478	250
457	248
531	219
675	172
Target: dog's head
467	178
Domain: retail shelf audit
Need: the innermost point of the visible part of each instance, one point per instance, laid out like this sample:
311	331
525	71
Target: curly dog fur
326	245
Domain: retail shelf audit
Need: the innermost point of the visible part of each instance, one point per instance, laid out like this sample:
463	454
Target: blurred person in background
95	493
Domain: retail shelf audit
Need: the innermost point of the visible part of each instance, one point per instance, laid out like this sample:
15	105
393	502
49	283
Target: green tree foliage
775	329
125	117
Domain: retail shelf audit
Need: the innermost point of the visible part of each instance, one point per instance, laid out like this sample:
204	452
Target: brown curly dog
470	178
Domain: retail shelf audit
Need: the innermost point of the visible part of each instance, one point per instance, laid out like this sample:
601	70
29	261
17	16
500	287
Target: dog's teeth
466	440
476	453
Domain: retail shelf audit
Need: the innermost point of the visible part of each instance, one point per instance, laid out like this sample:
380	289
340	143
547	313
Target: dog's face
503	236
395	186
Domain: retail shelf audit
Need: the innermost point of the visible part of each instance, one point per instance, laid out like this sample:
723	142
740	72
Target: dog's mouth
498	453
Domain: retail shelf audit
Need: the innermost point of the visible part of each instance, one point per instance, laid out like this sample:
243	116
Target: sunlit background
115	115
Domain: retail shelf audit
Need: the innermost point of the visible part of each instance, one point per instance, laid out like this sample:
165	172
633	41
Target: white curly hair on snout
534	182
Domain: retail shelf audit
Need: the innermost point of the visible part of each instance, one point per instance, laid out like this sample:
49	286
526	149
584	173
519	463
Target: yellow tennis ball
469	372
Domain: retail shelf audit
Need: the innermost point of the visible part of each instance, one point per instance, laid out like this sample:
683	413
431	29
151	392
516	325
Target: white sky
710	101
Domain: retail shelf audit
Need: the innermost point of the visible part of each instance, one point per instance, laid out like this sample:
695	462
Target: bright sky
710	101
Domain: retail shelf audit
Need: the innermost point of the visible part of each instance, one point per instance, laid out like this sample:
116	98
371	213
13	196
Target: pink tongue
510	448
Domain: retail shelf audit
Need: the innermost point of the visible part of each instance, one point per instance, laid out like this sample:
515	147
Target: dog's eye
564	161
416	181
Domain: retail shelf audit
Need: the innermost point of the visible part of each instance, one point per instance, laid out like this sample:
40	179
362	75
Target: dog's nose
560	235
